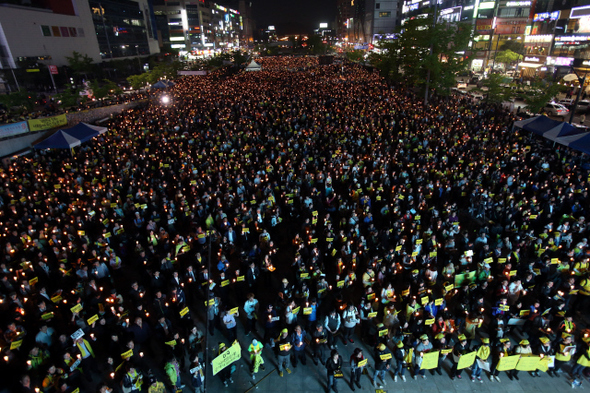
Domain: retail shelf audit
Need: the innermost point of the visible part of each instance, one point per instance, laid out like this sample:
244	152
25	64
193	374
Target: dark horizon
293	17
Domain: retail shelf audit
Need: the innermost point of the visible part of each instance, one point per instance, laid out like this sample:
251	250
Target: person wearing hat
225	373
382	364
523	349
334	370
458	350
355	370
400	356
283	345
255	350
423	347
319	339
482	355
502	350
563	352
132	380
441	343
545	350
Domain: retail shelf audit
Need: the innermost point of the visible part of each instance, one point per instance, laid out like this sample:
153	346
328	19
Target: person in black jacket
458	350
382	364
334	370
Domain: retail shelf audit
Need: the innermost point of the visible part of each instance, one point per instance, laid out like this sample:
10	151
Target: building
124	28
197	26
367	21
49	30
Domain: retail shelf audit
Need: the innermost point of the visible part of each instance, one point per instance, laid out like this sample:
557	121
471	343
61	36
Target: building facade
198	26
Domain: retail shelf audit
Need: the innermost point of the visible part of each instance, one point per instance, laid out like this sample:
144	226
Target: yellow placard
501	260
184	311
449	287
56	299
92	319
127	355
383	332
16	344
385	356
438	302
296	310
240	278
285	347
33	280
47	315
234	310
446	351
340	284
304	275
429	322
47	123
424	300
466	360
372	314
362	363
307	310
171	343
528	363
524	313
429	361
508	362
224	283
226	358
77	308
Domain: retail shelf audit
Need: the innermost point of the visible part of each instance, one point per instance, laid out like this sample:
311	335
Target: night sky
293	16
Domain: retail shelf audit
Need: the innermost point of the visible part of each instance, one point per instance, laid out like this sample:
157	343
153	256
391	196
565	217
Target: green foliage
355	55
69	97
80	63
539	93
315	45
138	82
19	99
423	51
239	57
495	93
507	56
98	91
512	45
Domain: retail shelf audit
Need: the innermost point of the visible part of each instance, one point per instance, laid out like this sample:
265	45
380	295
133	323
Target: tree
69	98
355	55
80	63
539	93
495	92
239	57
507	56
19	99
315	45
387	60
138	82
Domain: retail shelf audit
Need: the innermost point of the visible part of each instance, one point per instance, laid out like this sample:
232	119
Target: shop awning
530	65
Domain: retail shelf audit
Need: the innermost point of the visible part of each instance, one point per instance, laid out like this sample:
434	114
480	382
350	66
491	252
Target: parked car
461	85
555	109
583	106
567	102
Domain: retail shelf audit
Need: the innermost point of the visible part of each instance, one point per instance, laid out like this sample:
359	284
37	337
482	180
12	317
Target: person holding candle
298	341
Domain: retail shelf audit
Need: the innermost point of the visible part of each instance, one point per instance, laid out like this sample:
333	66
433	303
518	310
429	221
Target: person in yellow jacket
482	354
581	364
563	352
255	350
86	353
523	349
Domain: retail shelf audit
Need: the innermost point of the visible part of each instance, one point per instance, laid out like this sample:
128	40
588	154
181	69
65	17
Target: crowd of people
311	206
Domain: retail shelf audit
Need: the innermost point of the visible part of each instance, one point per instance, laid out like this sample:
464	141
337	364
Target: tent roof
539	125
59	140
71	137
159	85
582	143
253	66
561	131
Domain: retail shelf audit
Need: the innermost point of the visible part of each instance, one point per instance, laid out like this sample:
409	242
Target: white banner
13	129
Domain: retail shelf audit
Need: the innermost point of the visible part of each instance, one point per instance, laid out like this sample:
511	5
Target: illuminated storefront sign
518	4
546	16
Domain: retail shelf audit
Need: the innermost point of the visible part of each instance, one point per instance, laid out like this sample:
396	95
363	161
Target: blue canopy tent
561	131
538	125
71	137
160	85
582	143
